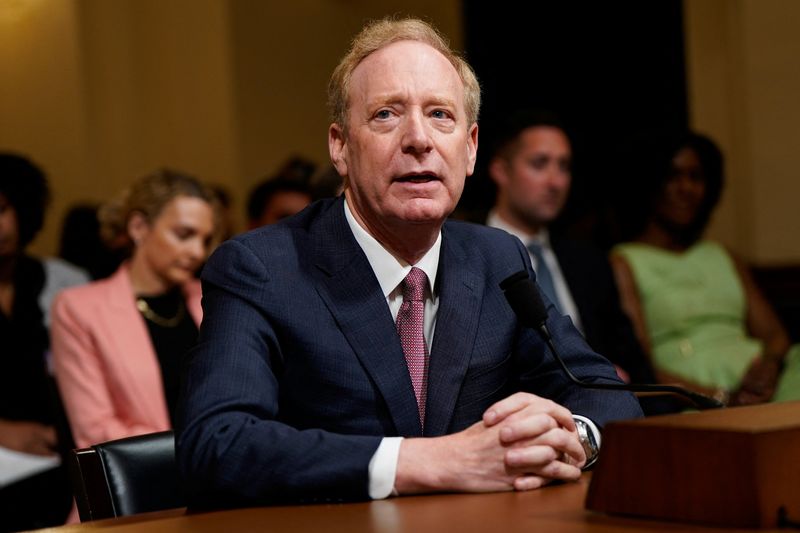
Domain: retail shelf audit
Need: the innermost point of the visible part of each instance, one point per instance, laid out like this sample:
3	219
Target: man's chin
425	214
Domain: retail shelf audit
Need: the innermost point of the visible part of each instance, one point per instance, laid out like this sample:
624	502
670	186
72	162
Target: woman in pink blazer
117	343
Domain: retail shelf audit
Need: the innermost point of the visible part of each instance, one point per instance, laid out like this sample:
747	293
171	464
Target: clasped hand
537	440
523	442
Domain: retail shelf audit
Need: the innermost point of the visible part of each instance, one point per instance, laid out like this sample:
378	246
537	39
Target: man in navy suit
363	347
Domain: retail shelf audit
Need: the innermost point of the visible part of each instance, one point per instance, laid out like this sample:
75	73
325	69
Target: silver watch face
587	441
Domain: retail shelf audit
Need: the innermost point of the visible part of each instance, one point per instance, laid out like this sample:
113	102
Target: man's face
534	183
408	147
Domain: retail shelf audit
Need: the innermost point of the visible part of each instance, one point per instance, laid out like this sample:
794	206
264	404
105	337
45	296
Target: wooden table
552	509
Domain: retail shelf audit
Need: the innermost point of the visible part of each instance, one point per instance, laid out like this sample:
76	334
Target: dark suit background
607	329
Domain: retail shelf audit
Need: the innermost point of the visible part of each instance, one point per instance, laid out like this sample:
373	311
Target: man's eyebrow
399	97
385	98
442	101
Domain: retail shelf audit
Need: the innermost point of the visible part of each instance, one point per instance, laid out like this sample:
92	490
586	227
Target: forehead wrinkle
379	59
402	97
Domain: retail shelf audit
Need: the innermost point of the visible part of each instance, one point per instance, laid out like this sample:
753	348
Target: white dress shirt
391	271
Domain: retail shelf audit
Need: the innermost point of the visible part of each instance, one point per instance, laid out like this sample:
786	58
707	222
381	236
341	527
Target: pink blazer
105	364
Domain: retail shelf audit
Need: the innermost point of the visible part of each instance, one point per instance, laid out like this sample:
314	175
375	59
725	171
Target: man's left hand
541	438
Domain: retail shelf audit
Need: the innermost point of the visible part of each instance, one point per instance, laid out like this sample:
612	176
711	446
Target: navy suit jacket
299	371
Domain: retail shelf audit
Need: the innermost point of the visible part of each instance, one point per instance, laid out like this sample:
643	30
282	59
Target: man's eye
441	114
539	163
383	114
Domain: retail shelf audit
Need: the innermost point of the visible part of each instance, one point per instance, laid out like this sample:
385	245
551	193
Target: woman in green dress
694	306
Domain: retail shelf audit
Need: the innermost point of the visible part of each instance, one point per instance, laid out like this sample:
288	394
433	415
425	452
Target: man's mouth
422	177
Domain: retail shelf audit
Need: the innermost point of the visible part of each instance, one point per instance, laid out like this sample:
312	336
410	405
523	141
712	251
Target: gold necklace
157	319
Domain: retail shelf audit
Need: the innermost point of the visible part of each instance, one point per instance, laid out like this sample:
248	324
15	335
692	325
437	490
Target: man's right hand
522	443
28	437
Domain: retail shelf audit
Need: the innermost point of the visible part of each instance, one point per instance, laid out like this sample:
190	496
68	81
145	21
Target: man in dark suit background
362	348
531	165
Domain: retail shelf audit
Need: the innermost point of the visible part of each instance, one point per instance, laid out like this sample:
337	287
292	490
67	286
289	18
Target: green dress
694	305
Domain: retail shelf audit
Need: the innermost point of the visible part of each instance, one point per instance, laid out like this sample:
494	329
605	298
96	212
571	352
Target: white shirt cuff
383	468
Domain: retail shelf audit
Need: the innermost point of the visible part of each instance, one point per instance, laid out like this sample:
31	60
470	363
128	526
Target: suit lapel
347	284
458	288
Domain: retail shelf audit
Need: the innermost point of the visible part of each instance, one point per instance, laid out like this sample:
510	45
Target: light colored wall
42	100
99	92
744	83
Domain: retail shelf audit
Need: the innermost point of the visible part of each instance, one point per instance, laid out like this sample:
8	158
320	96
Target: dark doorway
609	69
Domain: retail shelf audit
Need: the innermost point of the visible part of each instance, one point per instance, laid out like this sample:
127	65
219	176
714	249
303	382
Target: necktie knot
414	285
536	249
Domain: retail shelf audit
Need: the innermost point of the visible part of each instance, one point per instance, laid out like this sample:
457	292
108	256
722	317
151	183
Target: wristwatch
590	447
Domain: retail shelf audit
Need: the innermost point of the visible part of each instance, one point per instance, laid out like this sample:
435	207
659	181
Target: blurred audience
531	166
286	193
326	183
695	307
82	245
118	342
227	226
31	415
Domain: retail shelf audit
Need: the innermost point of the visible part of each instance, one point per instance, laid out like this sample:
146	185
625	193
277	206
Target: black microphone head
523	297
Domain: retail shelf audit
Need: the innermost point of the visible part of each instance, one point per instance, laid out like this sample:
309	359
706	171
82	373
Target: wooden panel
732	467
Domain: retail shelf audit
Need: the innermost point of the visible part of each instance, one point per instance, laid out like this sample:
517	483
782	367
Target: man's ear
337	147
498	170
472	148
138	227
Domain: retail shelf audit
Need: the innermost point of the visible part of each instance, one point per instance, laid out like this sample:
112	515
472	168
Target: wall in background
744	82
100	92
611	70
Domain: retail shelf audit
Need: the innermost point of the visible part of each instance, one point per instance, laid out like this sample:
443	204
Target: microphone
524	298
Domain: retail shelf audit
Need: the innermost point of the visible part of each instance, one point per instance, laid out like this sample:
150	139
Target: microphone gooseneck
524	298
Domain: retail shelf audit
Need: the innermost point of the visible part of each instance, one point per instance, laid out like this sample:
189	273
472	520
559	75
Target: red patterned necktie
411	328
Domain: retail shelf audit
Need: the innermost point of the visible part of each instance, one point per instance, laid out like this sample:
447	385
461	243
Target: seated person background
694	306
280	196
226	226
82	245
30	410
363	346
531	166
118	342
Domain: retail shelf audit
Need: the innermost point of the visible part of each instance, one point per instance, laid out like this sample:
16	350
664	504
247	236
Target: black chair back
127	476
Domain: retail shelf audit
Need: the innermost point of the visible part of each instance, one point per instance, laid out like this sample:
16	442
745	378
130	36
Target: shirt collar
391	270
543	237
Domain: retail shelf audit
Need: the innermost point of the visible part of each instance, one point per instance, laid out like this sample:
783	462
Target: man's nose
416	138
557	178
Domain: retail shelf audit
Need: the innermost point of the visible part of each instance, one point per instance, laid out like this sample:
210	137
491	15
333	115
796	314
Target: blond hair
148	196
381	33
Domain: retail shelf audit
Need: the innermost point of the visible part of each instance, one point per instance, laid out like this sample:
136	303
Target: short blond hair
381	33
